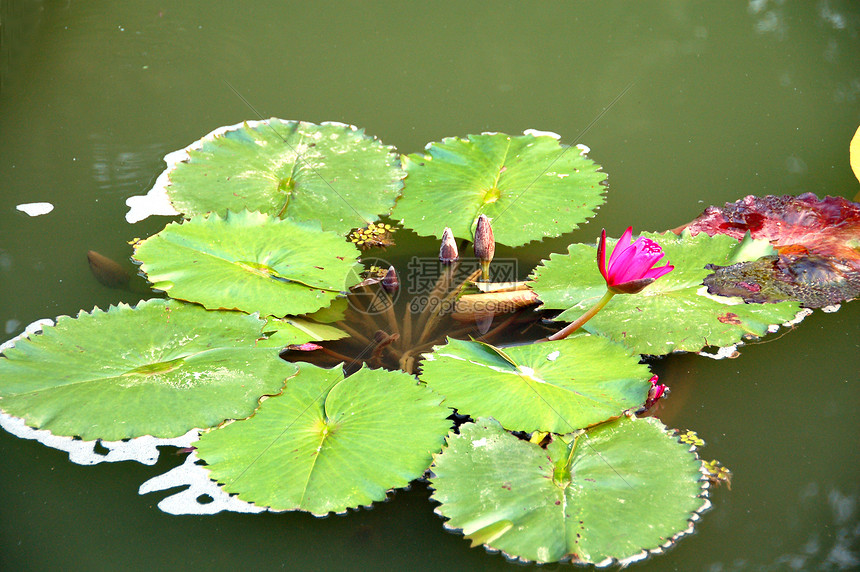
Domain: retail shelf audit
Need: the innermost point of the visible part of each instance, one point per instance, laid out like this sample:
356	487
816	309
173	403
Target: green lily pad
333	313
531	187
675	313
327	443
161	369
618	490
550	386
332	173
282	332
249	261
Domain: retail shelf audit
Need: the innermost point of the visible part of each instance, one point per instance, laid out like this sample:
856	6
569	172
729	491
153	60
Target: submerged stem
353	332
440	288
434	315
389	313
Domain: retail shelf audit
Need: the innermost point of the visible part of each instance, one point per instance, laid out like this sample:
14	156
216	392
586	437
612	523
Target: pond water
724	100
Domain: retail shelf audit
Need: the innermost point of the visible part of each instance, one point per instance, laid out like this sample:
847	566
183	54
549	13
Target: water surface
727	99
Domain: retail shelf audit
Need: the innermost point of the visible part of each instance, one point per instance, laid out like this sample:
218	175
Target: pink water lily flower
630	267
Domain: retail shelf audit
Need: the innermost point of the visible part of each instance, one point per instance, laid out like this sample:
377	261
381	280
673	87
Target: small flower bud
485	245
390	283
448	253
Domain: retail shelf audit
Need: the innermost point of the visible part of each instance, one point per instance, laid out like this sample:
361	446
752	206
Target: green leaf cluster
161	368
554	464
532	187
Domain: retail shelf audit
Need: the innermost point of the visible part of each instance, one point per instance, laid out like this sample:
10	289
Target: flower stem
435	313
439	290
354	333
573	326
389	312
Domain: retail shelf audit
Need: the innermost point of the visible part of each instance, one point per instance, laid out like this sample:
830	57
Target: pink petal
623	243
601	254
629	266
659	271
646	253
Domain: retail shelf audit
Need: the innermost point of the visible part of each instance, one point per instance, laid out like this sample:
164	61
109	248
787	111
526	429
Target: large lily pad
328	443
620	489
249	261
531	187
160	369
332	173
675	313
552	386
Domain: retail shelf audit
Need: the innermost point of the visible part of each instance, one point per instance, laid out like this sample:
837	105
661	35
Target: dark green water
728	99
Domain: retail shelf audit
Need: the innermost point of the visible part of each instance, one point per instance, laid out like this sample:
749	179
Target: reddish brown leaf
818	242
829	227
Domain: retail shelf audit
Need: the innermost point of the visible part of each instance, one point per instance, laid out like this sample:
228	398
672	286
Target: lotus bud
485	245
448	253
390	283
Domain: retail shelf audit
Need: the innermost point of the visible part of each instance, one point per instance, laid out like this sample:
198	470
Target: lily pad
675	313
282	332
249	261
328	443
613	493
332	173
531	187
333	313
161	369
552	386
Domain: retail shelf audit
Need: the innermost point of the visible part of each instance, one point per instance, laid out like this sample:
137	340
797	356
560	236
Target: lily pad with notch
327	443
530	186
675	313
551	386
161	368
249	261
331	173
614	492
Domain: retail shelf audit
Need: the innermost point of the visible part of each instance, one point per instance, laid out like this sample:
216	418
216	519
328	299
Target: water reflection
118	171
832	546
831	16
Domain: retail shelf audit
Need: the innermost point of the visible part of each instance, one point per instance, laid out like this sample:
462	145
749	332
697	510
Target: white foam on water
199	484
35	209
141	449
